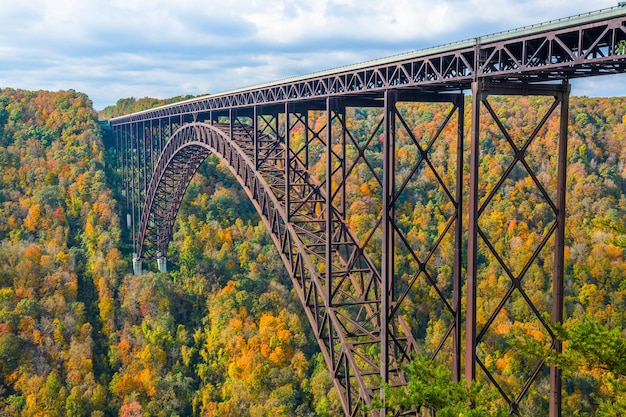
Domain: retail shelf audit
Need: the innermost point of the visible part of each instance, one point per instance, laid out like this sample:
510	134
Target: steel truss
588	45
359	288
368	285
480	332
363	335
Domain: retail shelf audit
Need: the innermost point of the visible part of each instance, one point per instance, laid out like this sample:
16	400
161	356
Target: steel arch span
343	309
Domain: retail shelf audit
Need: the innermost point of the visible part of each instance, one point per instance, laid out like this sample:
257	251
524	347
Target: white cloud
118	48
398	20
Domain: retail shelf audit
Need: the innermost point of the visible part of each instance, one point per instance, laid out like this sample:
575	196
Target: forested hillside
59	259
222	333
131	105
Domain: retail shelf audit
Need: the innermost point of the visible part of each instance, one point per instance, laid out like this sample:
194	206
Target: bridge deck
585	45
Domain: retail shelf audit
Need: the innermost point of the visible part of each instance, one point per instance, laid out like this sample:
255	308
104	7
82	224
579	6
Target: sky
112	49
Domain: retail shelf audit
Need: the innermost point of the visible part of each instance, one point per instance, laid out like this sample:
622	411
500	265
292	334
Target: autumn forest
222	333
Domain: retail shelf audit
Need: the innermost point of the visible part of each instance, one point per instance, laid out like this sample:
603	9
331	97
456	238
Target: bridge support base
161	262
136	265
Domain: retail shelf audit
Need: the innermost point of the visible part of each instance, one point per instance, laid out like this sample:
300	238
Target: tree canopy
223	334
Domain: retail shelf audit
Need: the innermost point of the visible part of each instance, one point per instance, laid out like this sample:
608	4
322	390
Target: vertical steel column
457	285
148	161
559	249
118	165
306	139
230	123
151	148
138	175
329	205
120	137
135	183
127	152
287	164
255	138
120	157
344	138
156	134
169	128
472	237
160	137
327	294
145	166
387	264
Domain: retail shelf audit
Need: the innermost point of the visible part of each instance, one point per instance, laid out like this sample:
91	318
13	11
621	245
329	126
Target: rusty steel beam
472	238
387	262
559	251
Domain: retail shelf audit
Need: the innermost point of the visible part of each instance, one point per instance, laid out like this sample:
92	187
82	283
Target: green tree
593	350
53	395
430	389
75	405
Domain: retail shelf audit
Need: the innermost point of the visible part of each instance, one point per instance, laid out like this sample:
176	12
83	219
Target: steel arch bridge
293	148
